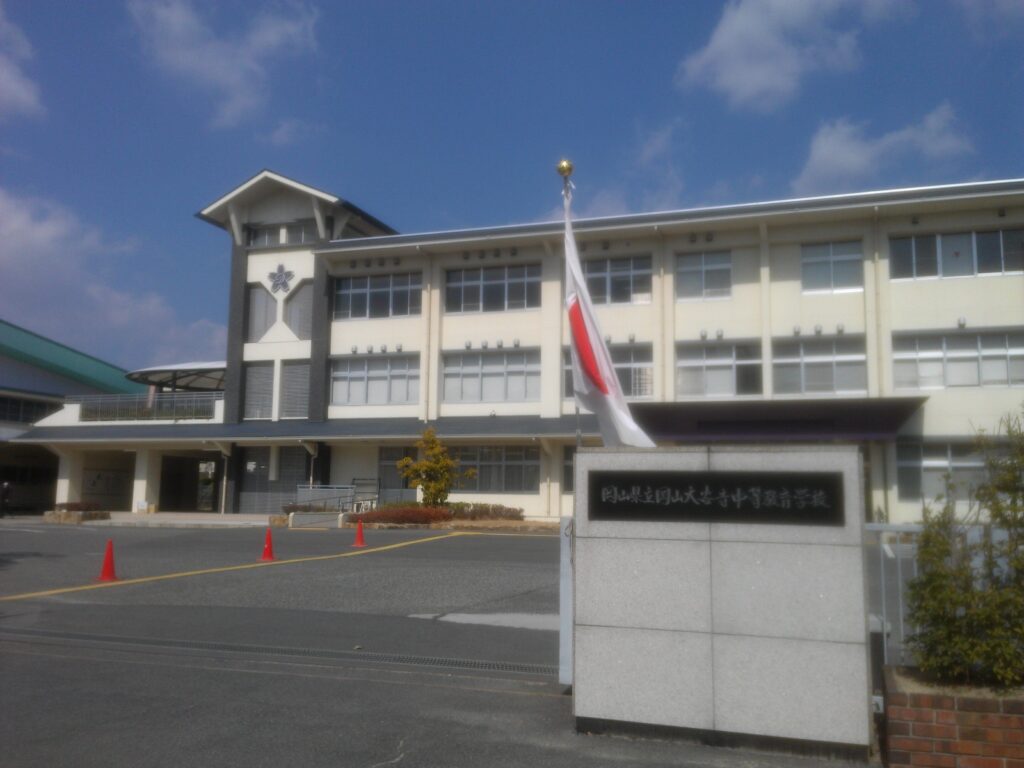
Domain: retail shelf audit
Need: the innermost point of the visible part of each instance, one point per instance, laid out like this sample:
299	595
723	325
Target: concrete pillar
146	485
70	466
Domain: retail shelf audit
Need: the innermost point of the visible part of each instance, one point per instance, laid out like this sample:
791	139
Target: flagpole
564	168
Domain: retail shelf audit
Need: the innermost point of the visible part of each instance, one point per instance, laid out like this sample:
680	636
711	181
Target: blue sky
119	120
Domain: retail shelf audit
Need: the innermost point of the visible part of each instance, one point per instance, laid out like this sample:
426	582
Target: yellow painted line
223	569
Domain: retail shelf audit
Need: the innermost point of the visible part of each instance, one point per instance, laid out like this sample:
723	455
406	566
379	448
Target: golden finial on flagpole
564	168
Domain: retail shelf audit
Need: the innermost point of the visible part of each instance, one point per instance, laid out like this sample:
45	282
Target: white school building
891	320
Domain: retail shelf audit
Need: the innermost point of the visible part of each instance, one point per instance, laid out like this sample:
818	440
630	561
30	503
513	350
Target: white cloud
761	50
992	18
290	131
19	95
233	70
842	156
58	280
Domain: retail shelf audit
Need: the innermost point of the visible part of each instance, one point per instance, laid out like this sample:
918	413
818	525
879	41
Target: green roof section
31	348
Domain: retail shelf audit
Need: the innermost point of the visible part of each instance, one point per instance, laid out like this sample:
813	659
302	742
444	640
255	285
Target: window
718	370
703	275
262	311
377	380
820	365
568	469
263	237
957	254
492	289
378	296
510	469
959	360
25	411
298	311
624	280
921	469
259	390
387	471
302	232
294	390
832	266
492	377
634	366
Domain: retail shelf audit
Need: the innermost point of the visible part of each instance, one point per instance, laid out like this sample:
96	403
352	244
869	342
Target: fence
162	406
891	557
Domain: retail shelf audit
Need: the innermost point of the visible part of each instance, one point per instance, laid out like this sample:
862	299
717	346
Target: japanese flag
593	376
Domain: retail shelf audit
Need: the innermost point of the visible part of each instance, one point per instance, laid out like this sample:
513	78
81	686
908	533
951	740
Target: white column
146	485
69	476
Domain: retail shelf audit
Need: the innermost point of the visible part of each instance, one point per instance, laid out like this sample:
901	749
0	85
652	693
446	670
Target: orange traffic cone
107	572
360	541
268	547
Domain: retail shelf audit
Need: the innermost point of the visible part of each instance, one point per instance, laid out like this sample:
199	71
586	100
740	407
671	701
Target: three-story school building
892	320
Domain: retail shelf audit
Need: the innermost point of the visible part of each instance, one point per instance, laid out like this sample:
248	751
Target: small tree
436	473
968	597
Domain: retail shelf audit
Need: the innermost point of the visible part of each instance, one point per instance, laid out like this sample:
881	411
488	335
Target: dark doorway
189	484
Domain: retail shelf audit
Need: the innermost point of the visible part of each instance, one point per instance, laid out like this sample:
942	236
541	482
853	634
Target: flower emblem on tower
279	280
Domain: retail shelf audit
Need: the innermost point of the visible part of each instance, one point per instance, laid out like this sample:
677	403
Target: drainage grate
270	650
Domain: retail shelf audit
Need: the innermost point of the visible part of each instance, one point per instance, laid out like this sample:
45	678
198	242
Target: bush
405	514
76	506
436	472
968	597
471	511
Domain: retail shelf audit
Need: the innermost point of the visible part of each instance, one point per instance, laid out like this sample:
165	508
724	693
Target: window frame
702	269
969	461
392	375
479	283
414	288
530	369
1002	234
732	363
599	269
1009	352
832	259
803	360
473	457
568	392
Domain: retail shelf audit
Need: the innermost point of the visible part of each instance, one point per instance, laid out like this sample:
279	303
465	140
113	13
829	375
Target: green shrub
409	514
462	510
968	597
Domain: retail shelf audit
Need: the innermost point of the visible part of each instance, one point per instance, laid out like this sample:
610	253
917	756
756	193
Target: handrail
157	406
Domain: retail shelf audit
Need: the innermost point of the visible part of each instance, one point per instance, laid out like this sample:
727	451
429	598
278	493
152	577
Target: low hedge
462	510
76	506
405	514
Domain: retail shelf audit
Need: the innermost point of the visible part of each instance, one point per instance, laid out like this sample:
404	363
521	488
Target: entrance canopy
195	377
828	419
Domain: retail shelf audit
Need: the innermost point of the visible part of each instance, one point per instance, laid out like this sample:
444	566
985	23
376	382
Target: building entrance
189	484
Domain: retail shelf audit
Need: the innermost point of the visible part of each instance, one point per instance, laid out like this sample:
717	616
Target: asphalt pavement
426	648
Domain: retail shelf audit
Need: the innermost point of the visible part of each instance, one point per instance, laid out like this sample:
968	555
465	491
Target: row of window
297	233
957	254
808	366
25	411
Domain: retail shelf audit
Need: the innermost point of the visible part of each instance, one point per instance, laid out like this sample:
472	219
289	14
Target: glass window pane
847	248
905	372
994	370
720	381
690	381
533	294
909	482
621	289
901	257
471	297
933	483
642	288
989	252
819	377
452	388
904	344
930	373
787	378
962	373
453	298
908	452
1016	370
816	275
516	295
819	251
400	302
848	274
689	284
718	282
494	297
851	377
1013	250
748	380
358	305
598	287
957	255
926	263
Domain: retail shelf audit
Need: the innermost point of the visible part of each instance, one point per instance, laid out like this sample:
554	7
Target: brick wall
953	731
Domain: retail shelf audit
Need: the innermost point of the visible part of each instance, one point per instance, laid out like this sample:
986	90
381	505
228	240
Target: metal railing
891	558
160	406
